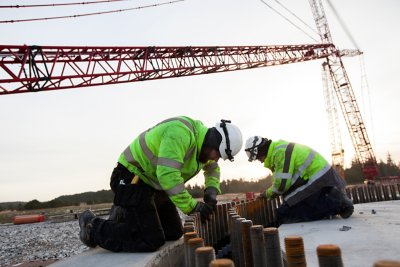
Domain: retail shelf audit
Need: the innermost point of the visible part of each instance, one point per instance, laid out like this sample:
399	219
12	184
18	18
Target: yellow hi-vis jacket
295	167
167	155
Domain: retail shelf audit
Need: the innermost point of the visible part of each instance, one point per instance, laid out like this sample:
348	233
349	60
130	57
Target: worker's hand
210	197
205	211
262	195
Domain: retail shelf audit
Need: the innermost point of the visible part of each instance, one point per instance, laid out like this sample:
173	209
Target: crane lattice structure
346	97
333	121
43	68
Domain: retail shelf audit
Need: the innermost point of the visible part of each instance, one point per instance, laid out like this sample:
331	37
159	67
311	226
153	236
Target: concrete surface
171	254
374	234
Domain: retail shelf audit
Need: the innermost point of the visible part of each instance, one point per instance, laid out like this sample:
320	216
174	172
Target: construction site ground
370	234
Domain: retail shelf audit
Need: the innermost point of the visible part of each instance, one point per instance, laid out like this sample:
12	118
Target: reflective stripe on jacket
167	155
293	166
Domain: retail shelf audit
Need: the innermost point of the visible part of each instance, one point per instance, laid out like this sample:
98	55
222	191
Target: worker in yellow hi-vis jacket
310	187
149	183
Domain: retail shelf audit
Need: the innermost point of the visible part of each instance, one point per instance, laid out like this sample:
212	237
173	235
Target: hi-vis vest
290	162
167	155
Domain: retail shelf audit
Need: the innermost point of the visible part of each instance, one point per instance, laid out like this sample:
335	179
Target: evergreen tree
33	205
388	169
354	175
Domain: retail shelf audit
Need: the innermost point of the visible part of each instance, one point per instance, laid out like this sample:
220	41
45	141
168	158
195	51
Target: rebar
295	254
257	245
246	241
186	238
193	244
204	256
329	256
387	263
272	246
222	263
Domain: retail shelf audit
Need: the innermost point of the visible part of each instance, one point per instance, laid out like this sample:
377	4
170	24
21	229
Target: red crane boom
44	68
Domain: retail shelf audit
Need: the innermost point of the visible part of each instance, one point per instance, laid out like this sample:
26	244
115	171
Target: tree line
102	196
353	175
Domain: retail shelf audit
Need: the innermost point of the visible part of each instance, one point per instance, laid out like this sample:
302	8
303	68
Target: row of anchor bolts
253	245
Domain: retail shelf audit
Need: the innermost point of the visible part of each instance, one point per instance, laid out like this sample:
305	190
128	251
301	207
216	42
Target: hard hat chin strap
228	145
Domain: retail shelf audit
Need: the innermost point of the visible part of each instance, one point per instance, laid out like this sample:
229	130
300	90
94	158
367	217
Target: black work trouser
319	205
150	217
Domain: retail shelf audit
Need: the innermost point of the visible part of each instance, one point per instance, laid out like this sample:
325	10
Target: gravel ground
39	242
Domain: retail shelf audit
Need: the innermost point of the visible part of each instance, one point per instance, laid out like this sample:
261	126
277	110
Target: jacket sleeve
212	175
282	176
173	147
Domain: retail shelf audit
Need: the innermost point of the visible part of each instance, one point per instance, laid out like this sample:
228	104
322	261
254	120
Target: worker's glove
262	195
210	197
205	211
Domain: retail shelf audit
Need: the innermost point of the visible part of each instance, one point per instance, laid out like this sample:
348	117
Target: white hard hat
231	139
251	147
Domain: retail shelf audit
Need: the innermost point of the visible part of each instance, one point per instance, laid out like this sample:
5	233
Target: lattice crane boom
43	68
346	97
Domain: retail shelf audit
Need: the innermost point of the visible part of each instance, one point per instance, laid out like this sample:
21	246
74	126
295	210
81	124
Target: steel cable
88	14
63	4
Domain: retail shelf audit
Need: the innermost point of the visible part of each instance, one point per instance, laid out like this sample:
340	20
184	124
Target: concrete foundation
371	234
171	254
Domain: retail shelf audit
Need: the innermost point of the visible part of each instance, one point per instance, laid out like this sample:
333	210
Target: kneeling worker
149	184
310	187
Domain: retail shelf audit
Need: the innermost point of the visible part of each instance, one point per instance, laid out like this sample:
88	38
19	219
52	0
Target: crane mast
346	97
333	122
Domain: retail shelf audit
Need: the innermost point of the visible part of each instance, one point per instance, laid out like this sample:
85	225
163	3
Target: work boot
86	232
117	214
345	205
346	212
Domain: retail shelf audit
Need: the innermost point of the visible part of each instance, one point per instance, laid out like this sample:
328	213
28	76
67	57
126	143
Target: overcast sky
68	141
